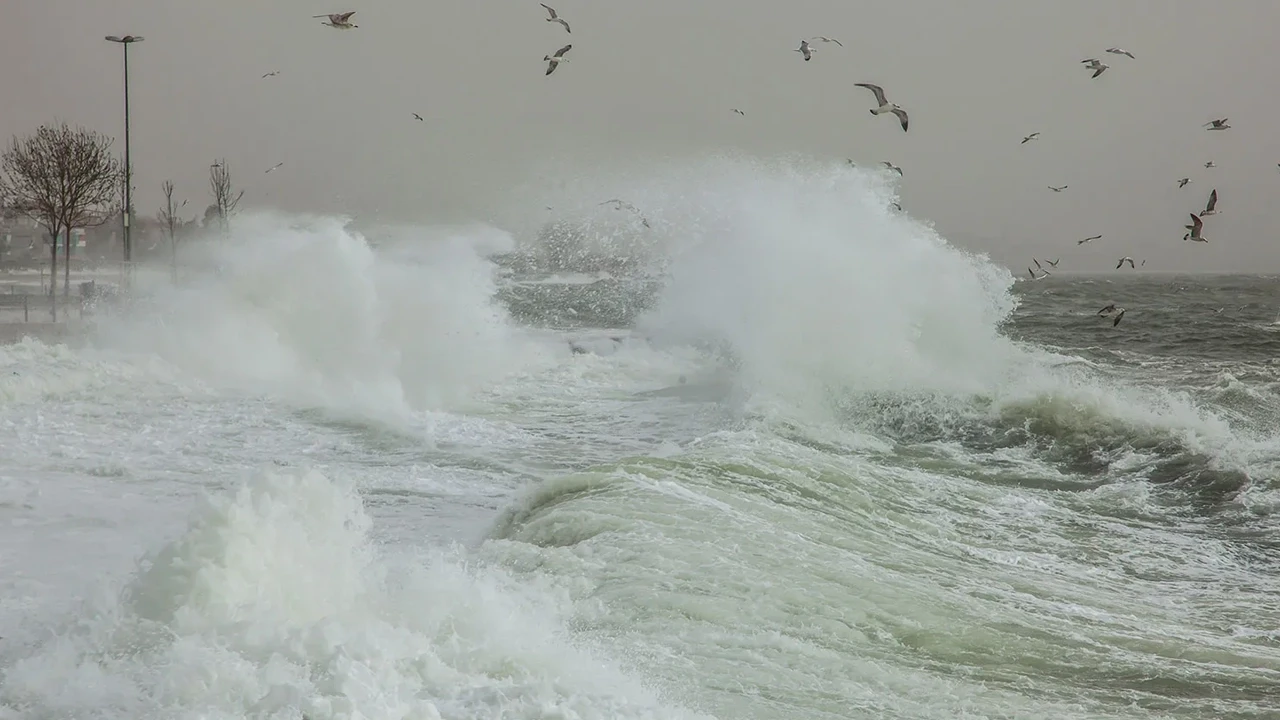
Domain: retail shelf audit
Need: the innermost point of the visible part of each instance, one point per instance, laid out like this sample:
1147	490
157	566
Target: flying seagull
1119	51
1029	138
739	112
553	61
1053	263
885	105
1123	260
824	38
1210	164
1183	182
1110	309
1088	239
893	167
1196	226
1119	311
1097	67
555	18
273	167
806	50
1058	189
1210	207
341	21
416	116
619	204
1043	274
1217	124
273	73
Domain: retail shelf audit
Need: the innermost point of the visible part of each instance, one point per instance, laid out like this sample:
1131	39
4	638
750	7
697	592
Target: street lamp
126	41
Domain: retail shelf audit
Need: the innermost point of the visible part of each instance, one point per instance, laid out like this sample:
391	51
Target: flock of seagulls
807	49
1195	230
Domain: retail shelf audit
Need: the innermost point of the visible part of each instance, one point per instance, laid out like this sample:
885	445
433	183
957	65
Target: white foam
305	309
274	603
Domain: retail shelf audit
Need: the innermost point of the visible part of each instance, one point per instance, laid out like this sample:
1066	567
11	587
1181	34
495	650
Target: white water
307	483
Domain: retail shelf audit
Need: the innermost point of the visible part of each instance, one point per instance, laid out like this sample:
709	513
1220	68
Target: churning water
781	453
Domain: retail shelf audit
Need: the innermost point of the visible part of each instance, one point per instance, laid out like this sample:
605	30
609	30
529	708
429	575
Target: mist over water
766	448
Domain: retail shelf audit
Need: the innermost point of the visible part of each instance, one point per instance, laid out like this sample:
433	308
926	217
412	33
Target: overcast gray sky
339	113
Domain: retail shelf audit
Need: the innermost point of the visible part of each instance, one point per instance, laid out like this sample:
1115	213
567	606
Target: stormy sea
755	445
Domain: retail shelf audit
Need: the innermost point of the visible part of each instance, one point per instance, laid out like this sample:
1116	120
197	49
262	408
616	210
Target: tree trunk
173	253
53	276
66	266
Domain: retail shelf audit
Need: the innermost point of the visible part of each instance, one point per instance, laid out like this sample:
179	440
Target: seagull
805	50
896	206
341	21
1029	138
739	112
417	117
273	167
885	105
1196	226
1058	189
824	38
1210	207
1217	124
1119	311
1123	260
1088	239
1053	263
891	166
1119	51
553	61
619	204
273	73
556	18
1183	182
1210	164
1097	67
1043	274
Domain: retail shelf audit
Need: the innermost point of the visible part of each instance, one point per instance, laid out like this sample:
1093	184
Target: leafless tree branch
63	178
225	196
170	222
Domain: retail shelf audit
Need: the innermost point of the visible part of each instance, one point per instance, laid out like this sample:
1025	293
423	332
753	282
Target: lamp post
126	41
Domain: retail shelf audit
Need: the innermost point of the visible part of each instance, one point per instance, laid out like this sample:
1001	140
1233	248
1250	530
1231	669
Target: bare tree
225	197
63	178
170	222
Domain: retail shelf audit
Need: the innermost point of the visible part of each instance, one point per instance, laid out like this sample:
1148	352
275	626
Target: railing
12	300
42	301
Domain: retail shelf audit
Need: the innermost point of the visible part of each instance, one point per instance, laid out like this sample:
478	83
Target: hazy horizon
660	79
